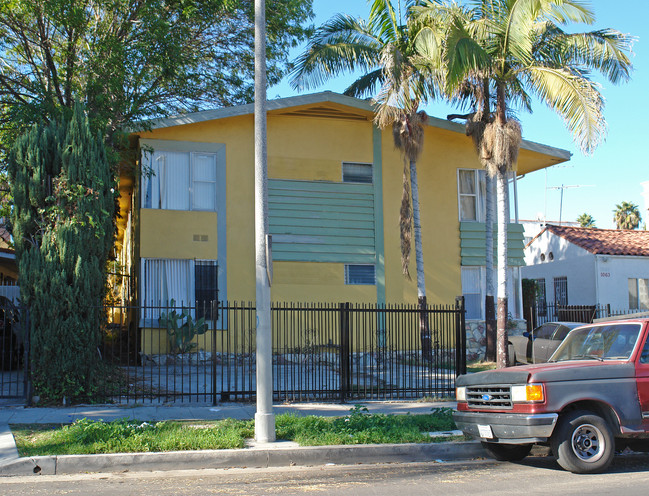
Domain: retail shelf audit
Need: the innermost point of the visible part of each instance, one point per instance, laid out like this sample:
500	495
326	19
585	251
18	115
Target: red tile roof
605	241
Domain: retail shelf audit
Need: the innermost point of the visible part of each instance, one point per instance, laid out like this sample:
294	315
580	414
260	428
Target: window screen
357	173
360	274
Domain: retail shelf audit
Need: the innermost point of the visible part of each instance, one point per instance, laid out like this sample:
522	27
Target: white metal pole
264	418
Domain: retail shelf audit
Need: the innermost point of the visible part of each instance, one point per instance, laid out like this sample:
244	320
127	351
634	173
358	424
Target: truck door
642	379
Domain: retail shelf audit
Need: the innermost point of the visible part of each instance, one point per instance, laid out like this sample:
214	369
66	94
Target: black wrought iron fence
551	312
320	352
14	351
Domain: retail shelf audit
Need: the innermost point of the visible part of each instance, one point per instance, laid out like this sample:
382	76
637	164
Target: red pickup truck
589	400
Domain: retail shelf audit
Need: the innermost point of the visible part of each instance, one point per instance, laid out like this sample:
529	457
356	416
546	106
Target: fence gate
14	351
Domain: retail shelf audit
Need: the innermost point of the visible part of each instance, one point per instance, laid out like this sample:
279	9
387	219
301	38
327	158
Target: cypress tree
63	187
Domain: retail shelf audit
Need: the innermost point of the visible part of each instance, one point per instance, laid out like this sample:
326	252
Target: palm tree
586	220
516	46
627	216
382	50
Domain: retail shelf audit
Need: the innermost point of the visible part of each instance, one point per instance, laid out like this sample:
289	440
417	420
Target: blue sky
610	175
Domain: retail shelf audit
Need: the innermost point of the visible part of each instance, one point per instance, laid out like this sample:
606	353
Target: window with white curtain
179	180
164	280
472	292
471	194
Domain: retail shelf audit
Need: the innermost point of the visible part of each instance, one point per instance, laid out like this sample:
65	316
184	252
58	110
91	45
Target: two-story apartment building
335	185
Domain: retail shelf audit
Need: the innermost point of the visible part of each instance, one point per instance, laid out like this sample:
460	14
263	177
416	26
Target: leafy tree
130	60
627	216
586	220
63	230
382	49
510	48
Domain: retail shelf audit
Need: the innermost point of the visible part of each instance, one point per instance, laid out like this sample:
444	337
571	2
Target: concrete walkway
256	455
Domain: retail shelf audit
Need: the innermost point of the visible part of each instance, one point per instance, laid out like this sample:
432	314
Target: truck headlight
528	392
460	393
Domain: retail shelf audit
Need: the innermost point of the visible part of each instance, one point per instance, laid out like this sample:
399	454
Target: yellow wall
171	233
313	148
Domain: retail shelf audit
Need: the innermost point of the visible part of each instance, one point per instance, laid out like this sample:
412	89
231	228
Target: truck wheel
507	452
583	443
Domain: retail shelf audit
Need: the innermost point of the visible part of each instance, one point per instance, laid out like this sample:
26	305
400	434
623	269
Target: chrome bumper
513	428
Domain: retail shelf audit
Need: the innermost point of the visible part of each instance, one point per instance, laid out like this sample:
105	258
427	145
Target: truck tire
583	443
507	452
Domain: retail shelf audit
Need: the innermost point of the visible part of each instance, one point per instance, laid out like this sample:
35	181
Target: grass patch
480	366
129	436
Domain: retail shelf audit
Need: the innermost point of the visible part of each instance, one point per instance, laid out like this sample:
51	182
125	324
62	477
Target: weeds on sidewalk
128	436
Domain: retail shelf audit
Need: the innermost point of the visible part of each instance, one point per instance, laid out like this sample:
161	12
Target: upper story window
471	194
357	173
179	181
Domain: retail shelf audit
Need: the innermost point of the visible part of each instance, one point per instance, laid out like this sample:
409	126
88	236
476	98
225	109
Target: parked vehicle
591	398
537	346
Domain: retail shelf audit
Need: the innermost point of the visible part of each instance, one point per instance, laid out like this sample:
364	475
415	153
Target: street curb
242	458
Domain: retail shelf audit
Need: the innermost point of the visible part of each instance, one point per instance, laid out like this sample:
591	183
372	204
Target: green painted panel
323	231
342	224
322	221
303	214
472	243
345	258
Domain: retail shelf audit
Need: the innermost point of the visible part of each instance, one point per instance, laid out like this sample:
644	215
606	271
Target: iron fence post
460	337
24	313
345	372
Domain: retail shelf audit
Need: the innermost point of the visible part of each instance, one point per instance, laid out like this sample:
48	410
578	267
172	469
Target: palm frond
567	11
576	99
604	50
340	45
464	55
365	85
384	20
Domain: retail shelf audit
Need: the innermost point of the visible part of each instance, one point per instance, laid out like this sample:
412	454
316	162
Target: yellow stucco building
335	184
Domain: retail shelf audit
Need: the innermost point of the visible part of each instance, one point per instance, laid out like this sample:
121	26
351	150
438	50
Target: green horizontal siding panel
343	258
472	244
319	221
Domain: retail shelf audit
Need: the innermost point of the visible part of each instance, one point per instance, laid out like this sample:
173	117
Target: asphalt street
535	476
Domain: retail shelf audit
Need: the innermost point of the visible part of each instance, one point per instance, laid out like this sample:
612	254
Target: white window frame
149	182
479	273
479	185
641	293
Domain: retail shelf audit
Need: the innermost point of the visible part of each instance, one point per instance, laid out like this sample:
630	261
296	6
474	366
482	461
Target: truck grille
496	397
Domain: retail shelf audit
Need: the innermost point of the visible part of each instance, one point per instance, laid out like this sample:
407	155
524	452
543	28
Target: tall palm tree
627	216
382	49
517	46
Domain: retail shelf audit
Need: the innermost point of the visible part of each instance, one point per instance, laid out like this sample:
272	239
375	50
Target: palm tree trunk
501	338
490	311
424	328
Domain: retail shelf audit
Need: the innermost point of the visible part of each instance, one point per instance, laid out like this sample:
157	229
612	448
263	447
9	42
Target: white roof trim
322	97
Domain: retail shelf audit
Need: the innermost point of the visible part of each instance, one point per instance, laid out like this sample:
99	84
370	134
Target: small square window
360	274
357	173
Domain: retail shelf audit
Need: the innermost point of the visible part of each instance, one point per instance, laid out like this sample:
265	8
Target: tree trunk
424	328
490	311
501	340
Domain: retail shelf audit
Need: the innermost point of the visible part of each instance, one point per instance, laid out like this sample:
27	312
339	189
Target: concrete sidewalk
270	455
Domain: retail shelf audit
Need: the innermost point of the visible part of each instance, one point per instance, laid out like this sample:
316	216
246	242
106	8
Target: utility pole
264	417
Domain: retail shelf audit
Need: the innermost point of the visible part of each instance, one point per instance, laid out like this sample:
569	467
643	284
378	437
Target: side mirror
527	334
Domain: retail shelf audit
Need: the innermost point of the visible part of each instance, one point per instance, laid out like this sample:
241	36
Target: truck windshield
600	342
